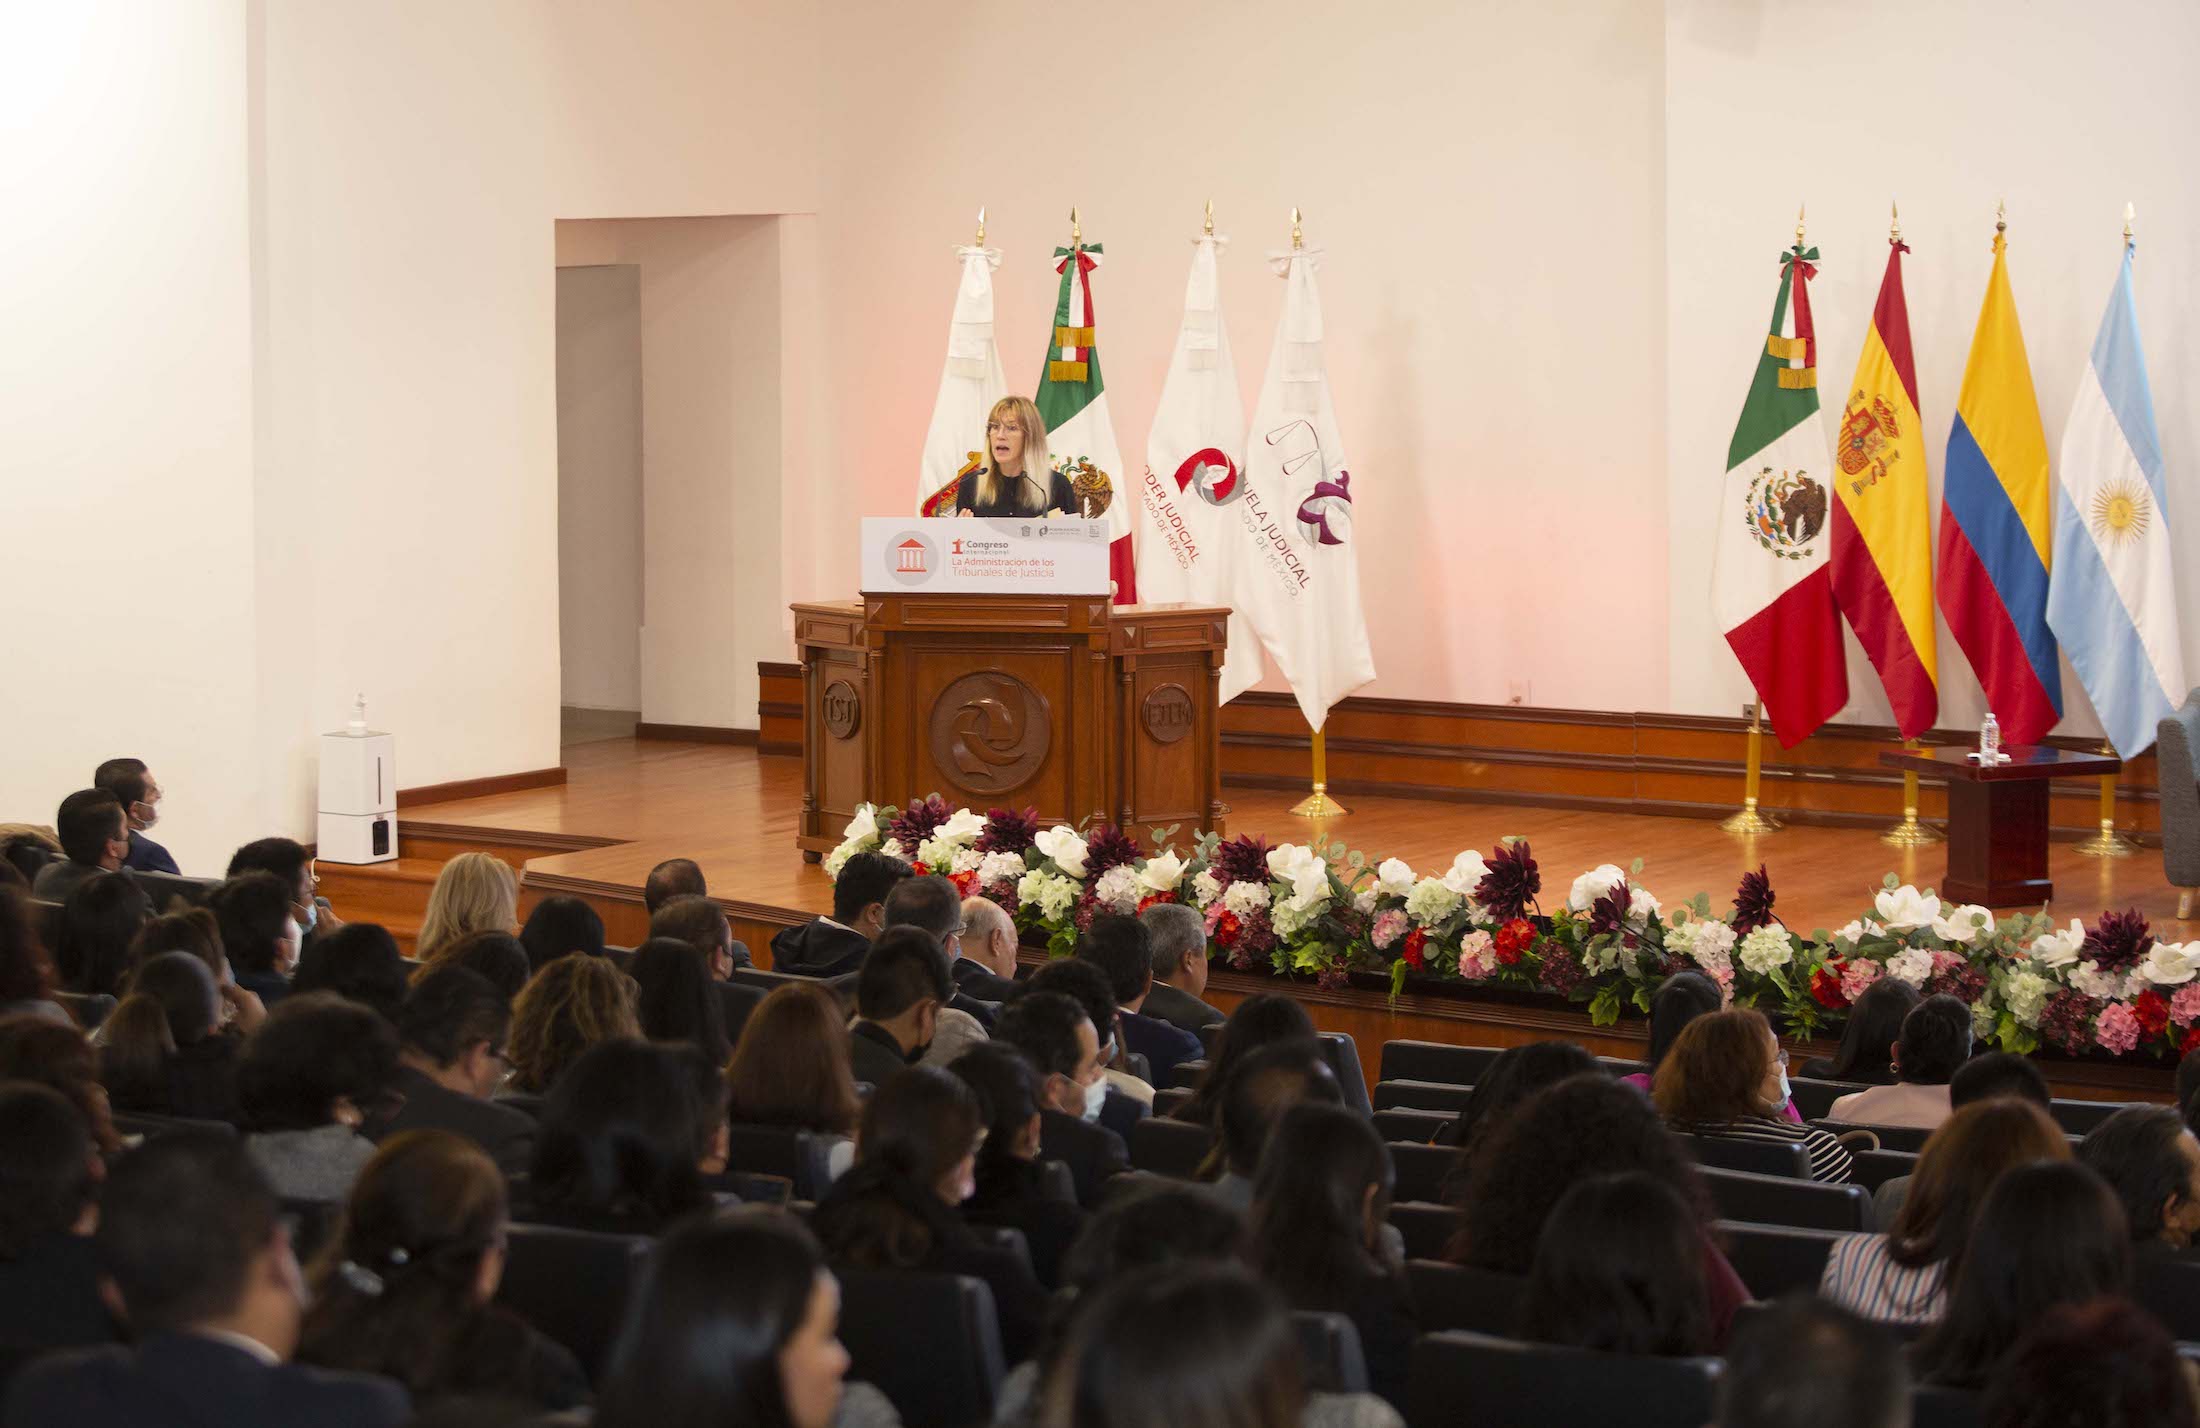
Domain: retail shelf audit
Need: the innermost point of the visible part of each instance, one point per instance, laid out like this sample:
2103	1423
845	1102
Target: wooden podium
1997	817
1056	702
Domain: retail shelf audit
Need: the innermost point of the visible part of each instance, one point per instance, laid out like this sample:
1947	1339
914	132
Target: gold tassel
1793	378
1073	337
1066	371
1787	349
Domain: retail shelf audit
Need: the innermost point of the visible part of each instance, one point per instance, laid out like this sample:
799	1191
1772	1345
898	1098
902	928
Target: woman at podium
1014	480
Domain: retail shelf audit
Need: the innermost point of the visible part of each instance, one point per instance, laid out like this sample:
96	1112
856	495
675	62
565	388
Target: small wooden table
1997	816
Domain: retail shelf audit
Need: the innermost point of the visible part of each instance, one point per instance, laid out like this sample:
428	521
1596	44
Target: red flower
2152	1012
920	870
966	882
1825	986
1227	928
1512	939
2191	1042
1413	953
1151	898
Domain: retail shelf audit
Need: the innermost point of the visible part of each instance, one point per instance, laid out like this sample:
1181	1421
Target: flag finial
2001	215
1298	234
1894	222
1799	225
2128	216
1076	234
1210	228
979	241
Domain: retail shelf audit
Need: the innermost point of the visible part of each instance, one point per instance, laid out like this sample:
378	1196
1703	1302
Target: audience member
1901	1277
1866	1053
834	946
617	1150
453	1031
561	927
1517	1073
1262	1088
674	877
135	788
406	1285
1256	1022
26	848
1679	1000
734	1323
473	892
986	969
2049	1234
259	931
1057	1036
1804	1363
192	1240
27	978
708	1130
1120	947
194	930
701	924
1207	1345
1935	1042
566	1008
165	1052
95	838
791	1068
57	1056
1619	1269
315	1073
1128	1098
496	956
292	864
2105	1364
1178	937
916	1156
1727	1076
1010	1191
2152	1162
50	1172
359	962
1992	1074
900	995
931	904
101	919
676	996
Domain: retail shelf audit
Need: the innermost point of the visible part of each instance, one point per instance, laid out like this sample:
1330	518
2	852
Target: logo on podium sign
914	559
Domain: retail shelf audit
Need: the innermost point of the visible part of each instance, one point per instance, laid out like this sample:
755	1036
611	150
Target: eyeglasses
1002	428
1780	1059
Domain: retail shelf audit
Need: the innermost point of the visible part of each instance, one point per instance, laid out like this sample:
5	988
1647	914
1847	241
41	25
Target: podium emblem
1167	713
990	731
842	708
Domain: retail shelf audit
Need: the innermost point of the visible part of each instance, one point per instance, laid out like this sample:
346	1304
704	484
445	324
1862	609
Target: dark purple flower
915	823
2066	1022
1752	903
1108	846
1561	971
1008	830
1510	881
2119	940
1241	860
1609	912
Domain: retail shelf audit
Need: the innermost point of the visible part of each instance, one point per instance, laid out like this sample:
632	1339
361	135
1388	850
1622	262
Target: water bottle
1989	739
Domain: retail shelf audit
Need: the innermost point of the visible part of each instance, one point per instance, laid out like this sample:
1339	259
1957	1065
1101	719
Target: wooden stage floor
733	811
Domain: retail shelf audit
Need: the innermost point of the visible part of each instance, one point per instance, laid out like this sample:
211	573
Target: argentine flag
2110	599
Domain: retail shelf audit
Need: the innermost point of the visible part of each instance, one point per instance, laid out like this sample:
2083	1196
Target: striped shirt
1829	1160
1862	1276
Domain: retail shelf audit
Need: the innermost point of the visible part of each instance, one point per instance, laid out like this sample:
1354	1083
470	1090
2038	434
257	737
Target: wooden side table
1997	816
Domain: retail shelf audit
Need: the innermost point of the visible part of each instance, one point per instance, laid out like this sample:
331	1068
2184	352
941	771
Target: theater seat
1187	1074
1421	1170
1421	1095
1343	1055
943	1377
1785	1200
1438	1061
1874	1168
1774	1259
1165	1147
1758	1157
1458	1296
1409	1126
2169	1289
1910	1139
1932	1406
737	1000
165	888
802	1158
1488	1382
1168	1101
2080	1117
1426	1228
89	1008
527	1101
1329	1351
1813	1099
571	1285
152	1126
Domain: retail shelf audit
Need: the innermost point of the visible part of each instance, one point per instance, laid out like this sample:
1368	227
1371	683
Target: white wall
600	486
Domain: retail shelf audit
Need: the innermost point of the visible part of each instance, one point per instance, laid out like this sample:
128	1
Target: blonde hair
567	1007
475	892
1036	466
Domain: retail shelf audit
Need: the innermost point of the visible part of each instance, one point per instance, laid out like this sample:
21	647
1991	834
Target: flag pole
1317	804
2108	843
1750	822
1910	833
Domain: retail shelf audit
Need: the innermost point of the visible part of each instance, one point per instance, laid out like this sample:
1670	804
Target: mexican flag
970	383
1771	590
1073	403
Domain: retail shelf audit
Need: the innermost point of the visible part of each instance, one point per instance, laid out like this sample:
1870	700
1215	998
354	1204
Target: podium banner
974	555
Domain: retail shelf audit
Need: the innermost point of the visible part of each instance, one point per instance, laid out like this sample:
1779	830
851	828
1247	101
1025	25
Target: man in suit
932	903
1056	1033
987	967
454	1026
1178	937
1129	1100
674	877
139	794
95	838
899	997
701	923
289	861
1119	946
200	1264
834	946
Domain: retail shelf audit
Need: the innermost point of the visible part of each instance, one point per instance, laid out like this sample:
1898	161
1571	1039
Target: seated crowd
258	1166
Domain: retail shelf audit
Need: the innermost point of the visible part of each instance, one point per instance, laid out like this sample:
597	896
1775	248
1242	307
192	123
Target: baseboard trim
695	733
479	787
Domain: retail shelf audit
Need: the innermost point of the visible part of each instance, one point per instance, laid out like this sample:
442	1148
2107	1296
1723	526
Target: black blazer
973	980
1011	1197
1060	497
507	1133
190	1381
873	1053
146	856
49	1297
816	949
1165	1047
1093	1153
1180	1009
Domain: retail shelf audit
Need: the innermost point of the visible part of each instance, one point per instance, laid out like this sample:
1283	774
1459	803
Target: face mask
1096	1095
1785	1093
311	916
148	815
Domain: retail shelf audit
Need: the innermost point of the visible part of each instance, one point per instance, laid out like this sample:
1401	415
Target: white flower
2025	994
965	860
1306	872
1912	965
1288	921
936	853
1062	844
962	826
838	859
1431	902
2171	964
1765	949
1000	867
1394	876
2088	977
1965	925
1466	873
1162	872
1117	888
862	829
1592	885
1245	898
1710	943
2059	949
1904	909
1856	932
1641	907
1363	901
1051	895
1206	887
892	848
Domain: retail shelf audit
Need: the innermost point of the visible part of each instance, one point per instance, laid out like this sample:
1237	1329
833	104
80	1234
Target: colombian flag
1882	521
1996	540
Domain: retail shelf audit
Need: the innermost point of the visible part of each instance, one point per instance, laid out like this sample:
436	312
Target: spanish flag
1996	536
1882	519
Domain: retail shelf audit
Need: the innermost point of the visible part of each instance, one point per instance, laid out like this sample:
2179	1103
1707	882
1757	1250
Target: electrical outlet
1516	691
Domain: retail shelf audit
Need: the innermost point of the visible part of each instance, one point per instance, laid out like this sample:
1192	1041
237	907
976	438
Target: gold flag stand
1910	833
1750	822
2108	843
1319	804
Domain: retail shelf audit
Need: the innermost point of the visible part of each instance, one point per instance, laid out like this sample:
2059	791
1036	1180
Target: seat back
1874	1168
1208	1035
572	1285
1056	1182
1139	1065
1329	1351
2169	1289
1421	1170
1459	1296
1168	1147
89	1008
1186	1074
165	888
1933	1406
1786	1200
527	1101
802	1158
1426	1228
1421	1095
152	1126
2082	1117
2177	780
1499	1383
1910	1139
620	957
1168	1101
1411	1126
1814	1099
1343	1055
1618	1066
1434	1061
944	1377
737	1000
1759	1157
1775	1259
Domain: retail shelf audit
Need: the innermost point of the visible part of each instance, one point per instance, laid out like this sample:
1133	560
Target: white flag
970	383
1301	584
1188	541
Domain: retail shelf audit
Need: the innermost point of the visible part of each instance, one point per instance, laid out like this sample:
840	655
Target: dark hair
924	900
693	919
903	967
496	956
187	929
1083	982
678	997
182	1219
1874	1026
1936	1040
1993	1074
124	778
36	1048
1714	1069
88	820
100	919
886	1213
705	1081
1584	1127
864	879
2139	1151
172	1003
313	1049
1805	1363
1252	1024
1517	1073
359	962
618	1136
1620	1269
791	1066
705	1322
1120	947
449	1009
26	973
1007	1087
2188	1076
560	927
250	909
1308	1231
1043	1026
2048	1234
1679	1000
2106	1363
46	1175
1207	1346
394	1291
674	877
286	858
1261	1088
1962	1159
